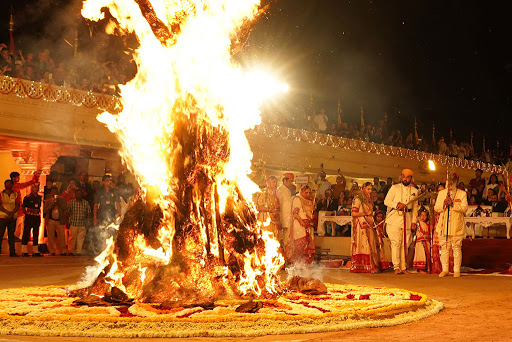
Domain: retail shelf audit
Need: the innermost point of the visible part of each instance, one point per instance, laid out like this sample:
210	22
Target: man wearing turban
401	217
452	205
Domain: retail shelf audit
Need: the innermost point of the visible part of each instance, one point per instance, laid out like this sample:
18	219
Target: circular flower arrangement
48	311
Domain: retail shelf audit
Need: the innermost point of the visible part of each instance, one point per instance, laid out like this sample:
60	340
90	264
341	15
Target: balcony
35	116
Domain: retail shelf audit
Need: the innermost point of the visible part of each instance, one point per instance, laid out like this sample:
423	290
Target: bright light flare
264	85
431	165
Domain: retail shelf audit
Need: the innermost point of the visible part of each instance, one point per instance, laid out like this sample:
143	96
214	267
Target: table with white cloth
330	216
486	222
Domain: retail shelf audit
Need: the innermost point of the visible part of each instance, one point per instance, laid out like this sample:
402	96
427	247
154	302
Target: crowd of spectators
87	74
80	73
382	133
77	214
485	197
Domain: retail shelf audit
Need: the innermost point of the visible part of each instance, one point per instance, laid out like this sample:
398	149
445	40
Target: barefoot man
401	217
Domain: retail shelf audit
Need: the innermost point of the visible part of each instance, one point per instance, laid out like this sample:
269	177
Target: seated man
327	203
497	207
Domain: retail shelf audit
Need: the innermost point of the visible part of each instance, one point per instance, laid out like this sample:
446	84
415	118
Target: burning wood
306	285
249	307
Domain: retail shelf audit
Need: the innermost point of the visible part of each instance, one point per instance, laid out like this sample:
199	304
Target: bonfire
191	234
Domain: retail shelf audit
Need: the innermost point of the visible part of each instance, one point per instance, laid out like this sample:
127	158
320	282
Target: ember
306	285
191	235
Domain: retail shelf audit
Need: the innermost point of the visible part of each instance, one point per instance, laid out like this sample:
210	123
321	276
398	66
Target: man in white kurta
284	194
401	204
450	226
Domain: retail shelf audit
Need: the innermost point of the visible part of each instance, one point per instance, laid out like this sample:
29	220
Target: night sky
443	62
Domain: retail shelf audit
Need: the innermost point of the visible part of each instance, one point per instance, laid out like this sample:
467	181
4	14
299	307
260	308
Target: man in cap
452	205
401	217
284	194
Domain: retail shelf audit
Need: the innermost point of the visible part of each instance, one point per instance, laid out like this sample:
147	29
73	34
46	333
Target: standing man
401	217
32	209
78	212
106	203
107	208
322	184
341	185
284	194
17	187
55	216
376	184
86	187
9	206
452	205
389	184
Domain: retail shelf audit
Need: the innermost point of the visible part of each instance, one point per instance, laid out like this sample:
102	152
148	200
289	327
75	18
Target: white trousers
454	242
76	239
396	236
56	245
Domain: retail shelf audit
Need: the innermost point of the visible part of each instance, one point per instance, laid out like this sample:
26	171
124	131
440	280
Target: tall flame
188	91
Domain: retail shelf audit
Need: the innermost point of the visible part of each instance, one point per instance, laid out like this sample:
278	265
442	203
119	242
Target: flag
483	144
339	111
433	133
415	131
362	117
75	46
11	36
385	128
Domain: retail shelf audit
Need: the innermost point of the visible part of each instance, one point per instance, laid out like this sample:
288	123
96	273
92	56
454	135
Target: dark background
442	62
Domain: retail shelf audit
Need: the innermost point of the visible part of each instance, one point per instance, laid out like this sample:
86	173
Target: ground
476	307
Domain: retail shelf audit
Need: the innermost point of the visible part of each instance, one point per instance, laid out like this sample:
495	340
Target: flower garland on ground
48	311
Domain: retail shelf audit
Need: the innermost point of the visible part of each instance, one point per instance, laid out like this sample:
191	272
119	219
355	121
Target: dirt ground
477	308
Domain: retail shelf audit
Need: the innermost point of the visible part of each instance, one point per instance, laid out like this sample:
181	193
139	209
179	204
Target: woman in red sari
366	257
301	246
422	260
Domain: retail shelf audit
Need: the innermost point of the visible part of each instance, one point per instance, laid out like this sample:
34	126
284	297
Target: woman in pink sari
366	256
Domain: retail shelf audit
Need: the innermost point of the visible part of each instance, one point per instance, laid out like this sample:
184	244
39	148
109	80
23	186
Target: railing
295	134
58	94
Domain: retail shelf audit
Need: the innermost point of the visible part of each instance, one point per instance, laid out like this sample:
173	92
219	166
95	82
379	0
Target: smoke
301	269
104	241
